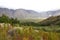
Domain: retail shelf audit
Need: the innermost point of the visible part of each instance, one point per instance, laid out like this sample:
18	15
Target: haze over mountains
27	14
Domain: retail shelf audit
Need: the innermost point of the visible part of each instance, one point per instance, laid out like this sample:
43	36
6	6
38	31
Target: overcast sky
37	5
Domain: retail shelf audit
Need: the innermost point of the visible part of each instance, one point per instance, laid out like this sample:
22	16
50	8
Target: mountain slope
28	14
50	13
6	11
54	20
20	13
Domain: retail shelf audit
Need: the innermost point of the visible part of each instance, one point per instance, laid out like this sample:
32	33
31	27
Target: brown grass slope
54	20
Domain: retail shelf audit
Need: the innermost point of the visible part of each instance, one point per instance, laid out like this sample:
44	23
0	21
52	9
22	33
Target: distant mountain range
28	14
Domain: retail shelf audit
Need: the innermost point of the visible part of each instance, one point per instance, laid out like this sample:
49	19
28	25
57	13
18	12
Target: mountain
6	11
28	14
54	20
19	13
50	13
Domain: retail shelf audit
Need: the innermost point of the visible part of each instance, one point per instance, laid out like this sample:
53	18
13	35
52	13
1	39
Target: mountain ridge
27	14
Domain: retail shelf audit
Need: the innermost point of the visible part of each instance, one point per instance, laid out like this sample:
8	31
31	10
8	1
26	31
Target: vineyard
9	32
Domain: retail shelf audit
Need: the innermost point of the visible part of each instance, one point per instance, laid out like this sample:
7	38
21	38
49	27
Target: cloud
38	5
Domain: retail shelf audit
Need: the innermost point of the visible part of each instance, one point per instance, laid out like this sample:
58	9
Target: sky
37	5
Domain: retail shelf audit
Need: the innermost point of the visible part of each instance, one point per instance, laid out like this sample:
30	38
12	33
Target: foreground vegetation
9	32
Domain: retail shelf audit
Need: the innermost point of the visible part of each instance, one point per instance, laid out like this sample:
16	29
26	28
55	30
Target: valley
23	24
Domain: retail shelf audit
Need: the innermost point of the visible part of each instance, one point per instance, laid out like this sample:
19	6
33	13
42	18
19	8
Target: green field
31	20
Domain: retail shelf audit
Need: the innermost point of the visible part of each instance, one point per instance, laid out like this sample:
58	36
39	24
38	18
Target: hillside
54	20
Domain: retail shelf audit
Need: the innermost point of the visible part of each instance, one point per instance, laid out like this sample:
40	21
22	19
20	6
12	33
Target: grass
31	20
8	32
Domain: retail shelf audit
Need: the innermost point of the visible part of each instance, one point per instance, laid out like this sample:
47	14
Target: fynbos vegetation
7	32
